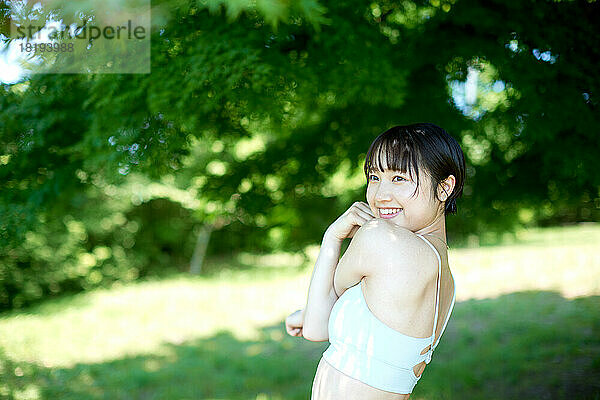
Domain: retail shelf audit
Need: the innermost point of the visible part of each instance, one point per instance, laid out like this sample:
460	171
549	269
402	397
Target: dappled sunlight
520	308
529	344
138	318
220	366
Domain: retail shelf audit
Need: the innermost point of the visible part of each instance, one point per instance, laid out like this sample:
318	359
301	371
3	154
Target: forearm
321	294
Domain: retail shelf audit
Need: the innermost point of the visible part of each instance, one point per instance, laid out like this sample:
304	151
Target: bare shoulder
385	235
381	229
391	247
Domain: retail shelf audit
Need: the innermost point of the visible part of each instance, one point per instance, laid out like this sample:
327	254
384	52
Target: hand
349	222
294	323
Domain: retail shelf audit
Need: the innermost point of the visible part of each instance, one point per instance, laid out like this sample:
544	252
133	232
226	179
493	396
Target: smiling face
414	175
413	206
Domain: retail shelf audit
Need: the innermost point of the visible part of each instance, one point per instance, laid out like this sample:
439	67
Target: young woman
384	305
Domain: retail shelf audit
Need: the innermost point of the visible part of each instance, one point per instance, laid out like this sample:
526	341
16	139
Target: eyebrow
393	172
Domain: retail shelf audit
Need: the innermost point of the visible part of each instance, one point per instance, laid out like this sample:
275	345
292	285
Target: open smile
389	212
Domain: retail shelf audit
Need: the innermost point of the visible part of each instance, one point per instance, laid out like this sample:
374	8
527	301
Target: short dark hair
409	148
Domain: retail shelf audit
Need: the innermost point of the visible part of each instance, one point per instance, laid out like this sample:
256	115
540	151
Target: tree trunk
200	249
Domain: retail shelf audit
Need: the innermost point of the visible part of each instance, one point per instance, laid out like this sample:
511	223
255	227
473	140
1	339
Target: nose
384	192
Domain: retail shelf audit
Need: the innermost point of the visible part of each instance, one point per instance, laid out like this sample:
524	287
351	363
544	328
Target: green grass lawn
526	325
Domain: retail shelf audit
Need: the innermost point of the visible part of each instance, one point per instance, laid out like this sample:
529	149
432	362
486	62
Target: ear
446	187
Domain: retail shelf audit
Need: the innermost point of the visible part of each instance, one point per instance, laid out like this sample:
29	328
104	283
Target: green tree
263	113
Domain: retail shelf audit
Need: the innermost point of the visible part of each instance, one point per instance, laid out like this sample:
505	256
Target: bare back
394	301
391	298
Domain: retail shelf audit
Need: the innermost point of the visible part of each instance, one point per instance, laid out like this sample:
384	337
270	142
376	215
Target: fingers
293	323
367	215
359	216
297	332
368	210
345	226
361	209
364	208
353	231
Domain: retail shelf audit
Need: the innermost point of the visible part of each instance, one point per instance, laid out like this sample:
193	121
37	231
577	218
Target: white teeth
389	211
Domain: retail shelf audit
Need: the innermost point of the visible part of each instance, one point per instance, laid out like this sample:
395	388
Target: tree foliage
256	118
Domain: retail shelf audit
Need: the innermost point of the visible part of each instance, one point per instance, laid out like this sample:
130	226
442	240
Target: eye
401	179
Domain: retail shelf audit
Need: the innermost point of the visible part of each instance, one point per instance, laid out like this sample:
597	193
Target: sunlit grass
563	259
521	308
137	318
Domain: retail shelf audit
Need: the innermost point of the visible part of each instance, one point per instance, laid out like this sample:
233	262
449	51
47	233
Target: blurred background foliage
251	131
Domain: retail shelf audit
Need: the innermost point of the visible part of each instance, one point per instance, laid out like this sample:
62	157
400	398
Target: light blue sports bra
364	348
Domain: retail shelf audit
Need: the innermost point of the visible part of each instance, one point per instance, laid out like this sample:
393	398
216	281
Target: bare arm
321	294
312	321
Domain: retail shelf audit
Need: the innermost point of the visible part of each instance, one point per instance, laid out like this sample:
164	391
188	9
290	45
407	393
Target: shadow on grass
524	345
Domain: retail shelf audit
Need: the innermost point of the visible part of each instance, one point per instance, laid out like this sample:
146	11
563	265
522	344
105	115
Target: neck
436	229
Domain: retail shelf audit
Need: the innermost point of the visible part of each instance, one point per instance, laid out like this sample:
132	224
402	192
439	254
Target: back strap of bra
437	295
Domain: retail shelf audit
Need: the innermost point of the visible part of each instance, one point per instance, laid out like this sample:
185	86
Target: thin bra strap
449	311
437	295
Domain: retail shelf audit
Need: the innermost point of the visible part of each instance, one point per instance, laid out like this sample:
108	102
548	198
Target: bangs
398	151
421	148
